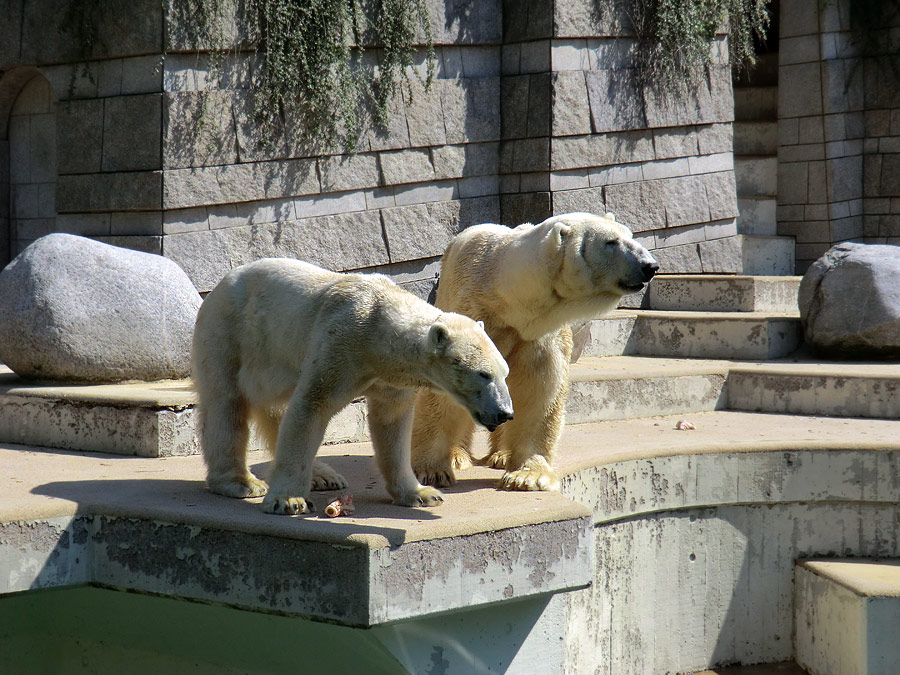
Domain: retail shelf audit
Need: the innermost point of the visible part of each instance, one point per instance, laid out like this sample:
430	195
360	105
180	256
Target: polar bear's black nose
649	270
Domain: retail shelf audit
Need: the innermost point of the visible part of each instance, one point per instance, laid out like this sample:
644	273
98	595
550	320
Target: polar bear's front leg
390	423
301	433
442	434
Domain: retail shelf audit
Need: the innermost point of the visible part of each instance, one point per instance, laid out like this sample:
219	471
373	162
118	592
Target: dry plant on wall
676	37
875	33
308	63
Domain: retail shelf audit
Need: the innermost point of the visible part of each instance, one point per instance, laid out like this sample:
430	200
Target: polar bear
527	284
288	344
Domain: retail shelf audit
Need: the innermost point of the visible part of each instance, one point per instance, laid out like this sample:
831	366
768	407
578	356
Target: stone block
132	133
465	22
615	174
11	32
685	201
527	20
478	186
666	168
642	204
721	195
534	182
672	143
525	155
128	191
471	109
569	55
817	183
530	207
339	242
575	18
406	166
616	101
198	128
804	97
890	174
436	191
126	315
540	92
601	150
513	101
571	112
482	159
723	161
424	118
136	223
569	180
79	135
710	100
348	172
395	134
845	178
683	259
800	49
798	17
240	183
83	224
347	202
721	256
534	57
589	200
424	230
792	182
448	161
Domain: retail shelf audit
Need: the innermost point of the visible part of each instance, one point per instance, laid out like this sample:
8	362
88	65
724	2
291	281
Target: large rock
850	301
75	309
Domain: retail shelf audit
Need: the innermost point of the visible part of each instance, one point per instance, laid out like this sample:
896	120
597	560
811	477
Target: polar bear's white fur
288	345
526	284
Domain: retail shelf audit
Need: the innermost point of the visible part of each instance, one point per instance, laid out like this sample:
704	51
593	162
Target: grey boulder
72	308
850	302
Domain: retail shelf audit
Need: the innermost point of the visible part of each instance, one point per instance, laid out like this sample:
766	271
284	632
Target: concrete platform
847	613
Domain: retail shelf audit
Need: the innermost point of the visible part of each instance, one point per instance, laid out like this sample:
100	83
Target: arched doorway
29	173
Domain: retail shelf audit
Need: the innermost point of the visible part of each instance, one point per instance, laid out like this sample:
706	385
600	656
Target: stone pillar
821	128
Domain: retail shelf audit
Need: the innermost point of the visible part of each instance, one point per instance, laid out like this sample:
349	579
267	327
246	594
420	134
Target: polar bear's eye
612	242
484	375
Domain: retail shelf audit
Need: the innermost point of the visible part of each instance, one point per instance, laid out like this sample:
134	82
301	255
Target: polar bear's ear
438	337
480	324
611	215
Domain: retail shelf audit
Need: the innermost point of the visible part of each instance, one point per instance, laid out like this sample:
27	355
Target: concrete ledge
149	525
846	616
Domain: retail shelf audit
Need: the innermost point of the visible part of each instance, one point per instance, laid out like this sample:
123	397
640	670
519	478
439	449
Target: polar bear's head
468	367
597	257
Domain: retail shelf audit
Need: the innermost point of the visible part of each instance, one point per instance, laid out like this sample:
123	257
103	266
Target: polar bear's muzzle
497	407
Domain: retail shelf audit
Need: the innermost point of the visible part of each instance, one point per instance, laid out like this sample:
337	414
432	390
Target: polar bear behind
288	345
526	284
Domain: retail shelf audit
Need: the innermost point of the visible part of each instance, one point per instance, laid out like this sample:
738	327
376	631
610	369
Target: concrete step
756	103
868	390
756	137
783	668
757	215
764	255
723	293
616	388
756	175
717	335
846	614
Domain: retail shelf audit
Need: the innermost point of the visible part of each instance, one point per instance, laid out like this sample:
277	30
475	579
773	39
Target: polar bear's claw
436	477
496	460
529	479
240	488
461	460
287	506
326	478
423	496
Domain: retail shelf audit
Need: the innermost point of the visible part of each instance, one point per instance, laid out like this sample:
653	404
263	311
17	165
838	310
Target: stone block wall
839	167
535	110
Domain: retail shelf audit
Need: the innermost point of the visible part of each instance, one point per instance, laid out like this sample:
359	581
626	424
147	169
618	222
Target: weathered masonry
535	110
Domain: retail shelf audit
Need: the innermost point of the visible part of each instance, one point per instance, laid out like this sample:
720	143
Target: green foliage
676	37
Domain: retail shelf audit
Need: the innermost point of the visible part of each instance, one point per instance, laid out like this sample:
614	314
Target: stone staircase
756	170
775	431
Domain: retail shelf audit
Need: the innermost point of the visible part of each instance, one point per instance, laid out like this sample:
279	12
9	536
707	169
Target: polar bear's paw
536	474
421	496
460	460
239	488
439	476
496	460
287	506
326	478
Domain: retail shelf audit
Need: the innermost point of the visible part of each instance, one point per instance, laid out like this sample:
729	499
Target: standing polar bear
527	284
288	345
